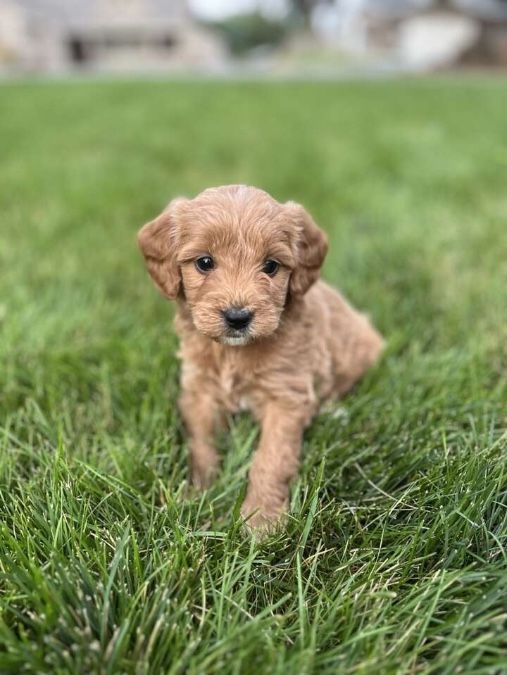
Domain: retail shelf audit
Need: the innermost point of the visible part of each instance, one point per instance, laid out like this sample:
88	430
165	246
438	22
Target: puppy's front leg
200	413
275	463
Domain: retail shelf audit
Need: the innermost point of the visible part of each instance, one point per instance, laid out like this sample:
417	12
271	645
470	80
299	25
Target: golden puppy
258	330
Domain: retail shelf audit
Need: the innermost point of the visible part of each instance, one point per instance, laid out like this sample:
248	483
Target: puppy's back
353	343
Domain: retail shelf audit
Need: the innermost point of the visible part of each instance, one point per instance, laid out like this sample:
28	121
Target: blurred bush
245	32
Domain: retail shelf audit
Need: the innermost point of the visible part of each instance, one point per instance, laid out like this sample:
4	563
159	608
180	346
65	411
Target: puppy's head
235	256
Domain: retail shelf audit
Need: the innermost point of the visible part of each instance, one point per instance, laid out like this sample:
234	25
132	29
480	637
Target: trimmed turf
394	560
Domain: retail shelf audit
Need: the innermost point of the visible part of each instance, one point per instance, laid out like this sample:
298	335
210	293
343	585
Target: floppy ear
158	241
311	249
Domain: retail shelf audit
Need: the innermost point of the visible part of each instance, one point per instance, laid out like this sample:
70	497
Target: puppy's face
234	255
235	270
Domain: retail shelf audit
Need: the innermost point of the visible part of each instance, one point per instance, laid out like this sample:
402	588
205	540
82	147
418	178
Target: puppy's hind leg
356	354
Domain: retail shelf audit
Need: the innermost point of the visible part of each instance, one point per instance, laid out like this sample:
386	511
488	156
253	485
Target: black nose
237	317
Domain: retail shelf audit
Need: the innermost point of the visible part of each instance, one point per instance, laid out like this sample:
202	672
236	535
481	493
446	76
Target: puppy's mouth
236	338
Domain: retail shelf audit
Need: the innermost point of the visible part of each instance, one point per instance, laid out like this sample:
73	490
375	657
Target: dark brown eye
205	264
270	267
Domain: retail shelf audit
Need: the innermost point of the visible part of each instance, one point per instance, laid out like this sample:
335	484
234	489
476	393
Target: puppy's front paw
263	517
203	477
204	465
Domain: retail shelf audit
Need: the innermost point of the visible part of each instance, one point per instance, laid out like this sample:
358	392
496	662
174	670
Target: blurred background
285	37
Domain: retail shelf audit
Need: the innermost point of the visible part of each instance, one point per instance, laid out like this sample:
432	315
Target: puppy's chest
236	386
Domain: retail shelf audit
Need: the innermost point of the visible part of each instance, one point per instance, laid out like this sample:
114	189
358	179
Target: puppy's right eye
205	264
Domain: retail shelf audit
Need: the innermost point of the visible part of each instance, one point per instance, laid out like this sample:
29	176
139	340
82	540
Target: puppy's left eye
270	267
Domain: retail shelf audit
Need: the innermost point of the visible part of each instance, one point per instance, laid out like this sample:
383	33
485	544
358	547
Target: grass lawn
395	558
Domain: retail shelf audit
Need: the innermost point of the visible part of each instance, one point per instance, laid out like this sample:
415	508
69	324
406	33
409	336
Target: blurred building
417	34
303	36
112	35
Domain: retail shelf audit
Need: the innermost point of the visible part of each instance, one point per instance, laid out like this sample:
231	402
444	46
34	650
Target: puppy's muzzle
237	318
